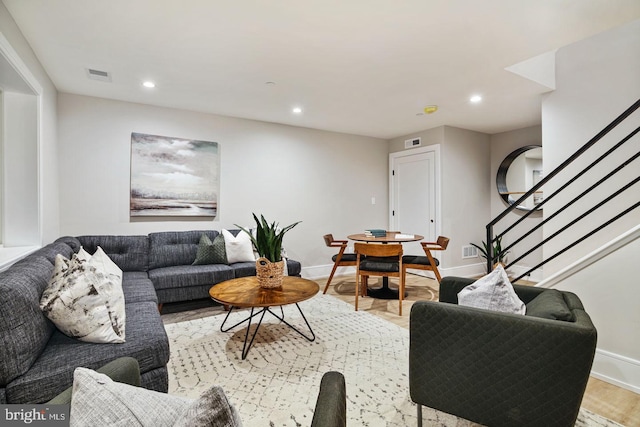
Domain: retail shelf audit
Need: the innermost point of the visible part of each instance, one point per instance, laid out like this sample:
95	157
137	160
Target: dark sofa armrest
123	370
486	366
331	406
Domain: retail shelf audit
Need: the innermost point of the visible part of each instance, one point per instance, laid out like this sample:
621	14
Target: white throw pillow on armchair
492	292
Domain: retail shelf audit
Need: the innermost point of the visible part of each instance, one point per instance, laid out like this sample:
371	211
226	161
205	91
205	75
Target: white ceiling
365	67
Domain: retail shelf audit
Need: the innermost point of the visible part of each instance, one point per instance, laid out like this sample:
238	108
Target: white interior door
414	195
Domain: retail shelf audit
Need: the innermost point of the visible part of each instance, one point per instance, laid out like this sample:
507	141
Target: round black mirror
518	172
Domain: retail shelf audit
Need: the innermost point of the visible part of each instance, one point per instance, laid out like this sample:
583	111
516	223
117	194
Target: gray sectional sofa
37	360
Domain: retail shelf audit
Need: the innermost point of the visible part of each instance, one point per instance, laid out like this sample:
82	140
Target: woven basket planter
269	273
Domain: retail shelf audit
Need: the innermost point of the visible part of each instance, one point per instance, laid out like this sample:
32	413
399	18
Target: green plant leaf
268	240
497	253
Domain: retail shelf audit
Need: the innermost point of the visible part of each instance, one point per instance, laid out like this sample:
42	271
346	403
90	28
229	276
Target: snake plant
268	238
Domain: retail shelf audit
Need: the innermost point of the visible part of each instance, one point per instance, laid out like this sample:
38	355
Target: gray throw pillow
550	304
97	400
211	252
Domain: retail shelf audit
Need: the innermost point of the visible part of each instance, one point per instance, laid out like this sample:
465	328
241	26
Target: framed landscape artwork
173	176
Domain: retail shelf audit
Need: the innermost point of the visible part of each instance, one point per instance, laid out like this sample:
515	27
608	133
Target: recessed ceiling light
475	99
297	110
270	83
149	84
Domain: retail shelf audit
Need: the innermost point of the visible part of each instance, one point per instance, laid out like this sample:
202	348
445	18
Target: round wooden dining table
389	238
385	292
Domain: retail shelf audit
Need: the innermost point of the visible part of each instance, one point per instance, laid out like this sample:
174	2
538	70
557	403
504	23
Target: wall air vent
469	252
103	76
413	142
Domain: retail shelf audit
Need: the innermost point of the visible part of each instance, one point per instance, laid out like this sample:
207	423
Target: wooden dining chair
427	262
341	259
373	259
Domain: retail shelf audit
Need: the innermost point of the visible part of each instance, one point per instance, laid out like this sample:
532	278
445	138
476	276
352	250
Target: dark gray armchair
499	369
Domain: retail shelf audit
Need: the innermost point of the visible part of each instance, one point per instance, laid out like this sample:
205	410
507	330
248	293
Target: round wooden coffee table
245	292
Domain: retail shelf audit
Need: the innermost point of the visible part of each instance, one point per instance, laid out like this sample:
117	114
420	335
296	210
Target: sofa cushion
130	253
171	248
52	372
294	268
24	329
137	287
190	275
492	292
85	300
185	293
211	252
550	304
244	269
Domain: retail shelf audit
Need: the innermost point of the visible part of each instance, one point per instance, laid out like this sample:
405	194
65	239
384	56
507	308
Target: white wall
324	179
466	201
21	219
597	79
502	144
465	206
47	170
608	290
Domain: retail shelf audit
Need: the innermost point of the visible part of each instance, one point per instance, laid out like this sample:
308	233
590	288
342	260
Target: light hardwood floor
615	403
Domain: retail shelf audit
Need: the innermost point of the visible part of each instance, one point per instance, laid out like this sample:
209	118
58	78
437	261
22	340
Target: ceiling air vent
413	142
103	76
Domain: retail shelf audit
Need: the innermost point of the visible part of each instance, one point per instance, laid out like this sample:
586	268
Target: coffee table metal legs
261	312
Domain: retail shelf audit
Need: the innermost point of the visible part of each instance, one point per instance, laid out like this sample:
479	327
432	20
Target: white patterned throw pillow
84	298
239	248
492	292
83	255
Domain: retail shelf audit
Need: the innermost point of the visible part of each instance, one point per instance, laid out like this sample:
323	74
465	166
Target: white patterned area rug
277	384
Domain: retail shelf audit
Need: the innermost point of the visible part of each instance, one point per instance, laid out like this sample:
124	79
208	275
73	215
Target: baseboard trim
470	270
618	370
323	271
